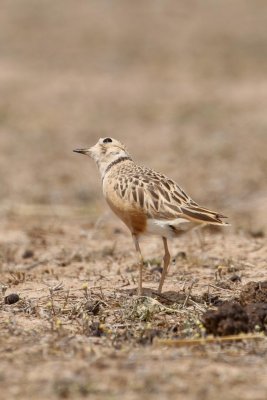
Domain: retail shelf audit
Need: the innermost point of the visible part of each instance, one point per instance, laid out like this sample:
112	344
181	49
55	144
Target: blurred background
182	83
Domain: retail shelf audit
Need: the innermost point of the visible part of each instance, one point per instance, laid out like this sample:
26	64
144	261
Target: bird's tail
200	214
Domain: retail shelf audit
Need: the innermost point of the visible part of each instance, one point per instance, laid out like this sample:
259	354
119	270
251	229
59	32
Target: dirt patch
254	292
257	314
78	318
229	319
233	318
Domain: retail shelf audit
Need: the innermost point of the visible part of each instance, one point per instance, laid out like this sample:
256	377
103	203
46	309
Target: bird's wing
161	198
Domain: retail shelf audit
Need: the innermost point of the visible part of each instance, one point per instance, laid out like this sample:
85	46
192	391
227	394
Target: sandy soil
184	86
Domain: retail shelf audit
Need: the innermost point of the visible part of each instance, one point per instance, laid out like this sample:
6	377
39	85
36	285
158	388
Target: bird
148	202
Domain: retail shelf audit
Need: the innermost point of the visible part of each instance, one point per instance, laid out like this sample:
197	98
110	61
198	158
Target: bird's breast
126	210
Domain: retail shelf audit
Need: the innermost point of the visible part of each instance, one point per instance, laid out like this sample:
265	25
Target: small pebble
12	298
182	255
28	254
157	269
257	233
92	307
235	278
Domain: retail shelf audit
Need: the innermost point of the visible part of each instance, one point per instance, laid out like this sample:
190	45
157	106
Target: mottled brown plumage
146	201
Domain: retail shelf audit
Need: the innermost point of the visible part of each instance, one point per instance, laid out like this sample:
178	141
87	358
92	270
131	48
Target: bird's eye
107	140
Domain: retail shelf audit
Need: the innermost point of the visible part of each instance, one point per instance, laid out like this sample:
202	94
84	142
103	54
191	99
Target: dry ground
183	84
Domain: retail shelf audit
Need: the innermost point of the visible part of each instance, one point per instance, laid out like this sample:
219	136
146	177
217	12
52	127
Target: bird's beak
82	151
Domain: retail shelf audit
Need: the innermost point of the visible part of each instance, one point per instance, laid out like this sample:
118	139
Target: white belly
168	228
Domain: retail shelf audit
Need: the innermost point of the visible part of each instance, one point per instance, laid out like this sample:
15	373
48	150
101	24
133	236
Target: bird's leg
166	260
140	265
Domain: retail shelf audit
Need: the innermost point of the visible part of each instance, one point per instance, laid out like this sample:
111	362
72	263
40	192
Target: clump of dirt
233	318
253	292
229	319
257	313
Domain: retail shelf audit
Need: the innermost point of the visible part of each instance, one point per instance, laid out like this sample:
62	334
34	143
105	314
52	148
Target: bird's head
104	152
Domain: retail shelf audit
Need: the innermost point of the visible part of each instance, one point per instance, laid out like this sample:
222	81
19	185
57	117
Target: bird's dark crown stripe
119	160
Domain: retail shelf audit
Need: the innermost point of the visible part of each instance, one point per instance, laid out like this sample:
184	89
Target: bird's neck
106	166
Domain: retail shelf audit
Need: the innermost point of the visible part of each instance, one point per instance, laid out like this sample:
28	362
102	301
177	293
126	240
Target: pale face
104	152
